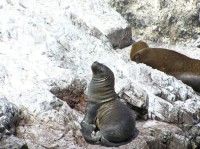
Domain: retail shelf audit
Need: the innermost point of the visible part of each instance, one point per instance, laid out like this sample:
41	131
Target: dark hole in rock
72	94
139	112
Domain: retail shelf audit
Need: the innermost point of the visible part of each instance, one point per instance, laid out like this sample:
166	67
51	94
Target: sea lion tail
92	140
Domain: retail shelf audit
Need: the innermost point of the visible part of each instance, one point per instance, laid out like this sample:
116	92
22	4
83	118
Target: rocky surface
10	116
13	142
161	20
46	51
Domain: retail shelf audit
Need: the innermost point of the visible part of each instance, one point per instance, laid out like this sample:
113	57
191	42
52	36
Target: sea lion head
102	72
101	87
137	46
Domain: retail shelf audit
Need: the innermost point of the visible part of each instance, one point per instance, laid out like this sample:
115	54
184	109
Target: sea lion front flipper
86	128
90	116
88	123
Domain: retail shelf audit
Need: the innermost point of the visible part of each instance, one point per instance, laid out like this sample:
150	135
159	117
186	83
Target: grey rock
161	21
46	51
10	117
134	95
119	34
198	140
13	142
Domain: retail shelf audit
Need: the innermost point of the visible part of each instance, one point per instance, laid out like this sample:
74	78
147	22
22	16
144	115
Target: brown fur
170	62
137	46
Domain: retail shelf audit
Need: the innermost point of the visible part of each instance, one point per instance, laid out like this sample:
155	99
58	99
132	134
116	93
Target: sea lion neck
101	88
97	78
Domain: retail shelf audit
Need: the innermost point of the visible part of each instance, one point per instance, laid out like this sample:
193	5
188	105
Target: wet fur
105	112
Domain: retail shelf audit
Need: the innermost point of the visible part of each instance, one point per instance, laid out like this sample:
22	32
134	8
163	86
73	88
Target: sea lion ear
136	58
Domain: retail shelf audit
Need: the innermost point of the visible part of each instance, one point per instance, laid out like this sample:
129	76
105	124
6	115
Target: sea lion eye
137	58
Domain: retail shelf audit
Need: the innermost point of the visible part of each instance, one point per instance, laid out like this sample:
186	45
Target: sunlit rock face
46	52
161	20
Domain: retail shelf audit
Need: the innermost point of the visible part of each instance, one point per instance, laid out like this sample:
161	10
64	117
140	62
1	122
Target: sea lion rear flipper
107	143
89	138
86	130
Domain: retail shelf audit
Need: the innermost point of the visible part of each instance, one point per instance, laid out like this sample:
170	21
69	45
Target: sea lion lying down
173	63
105	112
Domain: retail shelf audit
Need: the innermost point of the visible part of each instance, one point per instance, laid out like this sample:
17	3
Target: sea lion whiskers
100	80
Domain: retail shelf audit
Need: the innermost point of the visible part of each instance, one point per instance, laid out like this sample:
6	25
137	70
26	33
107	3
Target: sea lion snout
136	58
96	67
100	70
94	64
136	47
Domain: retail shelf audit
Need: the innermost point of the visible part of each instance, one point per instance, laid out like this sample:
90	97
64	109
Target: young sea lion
105	112
173	63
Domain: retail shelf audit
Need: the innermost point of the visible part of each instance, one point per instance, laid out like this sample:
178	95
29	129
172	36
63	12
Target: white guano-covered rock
99	20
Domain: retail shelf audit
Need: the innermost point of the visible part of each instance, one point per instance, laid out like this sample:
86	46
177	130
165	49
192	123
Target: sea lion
105	112
172	63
